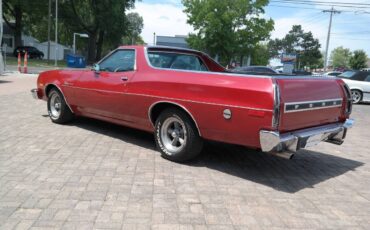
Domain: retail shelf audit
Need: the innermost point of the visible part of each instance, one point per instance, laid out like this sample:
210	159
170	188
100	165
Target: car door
102	91
366	83
366	88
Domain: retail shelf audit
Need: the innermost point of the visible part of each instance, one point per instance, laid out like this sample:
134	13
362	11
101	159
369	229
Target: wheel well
156	109
357	90
48	88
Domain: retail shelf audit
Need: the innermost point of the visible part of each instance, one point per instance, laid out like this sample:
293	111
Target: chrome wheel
173	135
55	105
356	96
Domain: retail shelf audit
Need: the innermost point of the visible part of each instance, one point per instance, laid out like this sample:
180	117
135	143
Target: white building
8	44
55	50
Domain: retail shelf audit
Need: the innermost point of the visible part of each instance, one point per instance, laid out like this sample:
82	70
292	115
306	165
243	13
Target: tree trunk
18	26
99	47
91	54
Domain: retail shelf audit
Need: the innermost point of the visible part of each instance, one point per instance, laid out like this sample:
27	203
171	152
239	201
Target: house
176	41
8	44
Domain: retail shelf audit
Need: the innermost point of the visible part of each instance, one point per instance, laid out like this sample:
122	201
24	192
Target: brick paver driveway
90	174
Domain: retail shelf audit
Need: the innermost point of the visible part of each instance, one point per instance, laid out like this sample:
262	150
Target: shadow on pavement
305	170
133	136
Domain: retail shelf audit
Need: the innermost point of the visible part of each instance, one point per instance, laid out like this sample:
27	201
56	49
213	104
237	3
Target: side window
119	61
248	69
176	61
367	78
187	62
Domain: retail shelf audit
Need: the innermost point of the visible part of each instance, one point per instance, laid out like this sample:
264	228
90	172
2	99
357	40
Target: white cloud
168	18
346	26
163	19
318	24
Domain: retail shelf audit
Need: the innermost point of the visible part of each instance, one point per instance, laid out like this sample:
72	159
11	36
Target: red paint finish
204	95
300	90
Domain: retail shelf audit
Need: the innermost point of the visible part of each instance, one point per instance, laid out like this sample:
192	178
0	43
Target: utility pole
332	11
2	64
49	29
56	33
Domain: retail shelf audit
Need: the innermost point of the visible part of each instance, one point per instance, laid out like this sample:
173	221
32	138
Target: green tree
104	21
358	60
135	26
22	13
227	28
340	57
260	55
299	42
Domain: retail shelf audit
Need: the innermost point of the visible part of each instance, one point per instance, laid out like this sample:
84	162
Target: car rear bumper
275	142
34	93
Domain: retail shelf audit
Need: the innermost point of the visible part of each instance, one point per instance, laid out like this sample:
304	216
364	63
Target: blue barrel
75	61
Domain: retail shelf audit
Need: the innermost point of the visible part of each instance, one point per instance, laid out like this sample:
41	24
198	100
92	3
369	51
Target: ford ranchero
184	97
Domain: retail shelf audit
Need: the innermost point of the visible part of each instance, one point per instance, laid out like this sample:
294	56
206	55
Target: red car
185	97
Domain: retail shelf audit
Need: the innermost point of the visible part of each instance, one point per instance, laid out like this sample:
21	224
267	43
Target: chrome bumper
34	93
274	142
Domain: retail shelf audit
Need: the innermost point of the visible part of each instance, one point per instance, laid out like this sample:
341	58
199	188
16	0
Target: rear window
171	60
347	74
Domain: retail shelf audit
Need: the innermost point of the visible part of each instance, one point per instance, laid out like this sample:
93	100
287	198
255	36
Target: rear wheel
58	109
356	96
177	136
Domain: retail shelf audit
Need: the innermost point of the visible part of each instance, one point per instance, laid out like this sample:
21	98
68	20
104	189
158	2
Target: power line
316	19
316	9
352	32
306	8
319	4
329	3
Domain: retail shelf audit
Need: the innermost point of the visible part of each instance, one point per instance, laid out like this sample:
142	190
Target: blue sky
350	29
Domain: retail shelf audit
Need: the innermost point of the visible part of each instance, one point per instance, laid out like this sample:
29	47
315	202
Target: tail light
347	91
276	110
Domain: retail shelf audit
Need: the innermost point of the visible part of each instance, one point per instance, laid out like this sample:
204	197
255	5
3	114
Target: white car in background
359	84
332	74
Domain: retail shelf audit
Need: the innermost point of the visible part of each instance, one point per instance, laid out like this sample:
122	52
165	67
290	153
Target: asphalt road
94	175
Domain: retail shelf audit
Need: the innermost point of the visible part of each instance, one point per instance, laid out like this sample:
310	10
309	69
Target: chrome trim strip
173	48
65	99
312	106
174	103
177	99
201	72
347	91
276	114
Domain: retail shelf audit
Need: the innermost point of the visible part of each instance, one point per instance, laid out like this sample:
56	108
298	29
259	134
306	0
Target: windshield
347	74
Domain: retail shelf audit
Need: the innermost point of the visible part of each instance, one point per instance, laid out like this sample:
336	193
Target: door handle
124	78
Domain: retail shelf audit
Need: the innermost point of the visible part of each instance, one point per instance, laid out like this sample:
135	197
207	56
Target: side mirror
96	68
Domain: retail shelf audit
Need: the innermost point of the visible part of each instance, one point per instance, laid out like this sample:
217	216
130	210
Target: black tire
64	113
356	96
192	144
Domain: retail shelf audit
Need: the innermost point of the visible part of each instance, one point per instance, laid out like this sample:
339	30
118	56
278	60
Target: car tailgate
308	102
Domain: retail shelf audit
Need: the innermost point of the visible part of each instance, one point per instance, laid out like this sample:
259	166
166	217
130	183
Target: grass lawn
10	60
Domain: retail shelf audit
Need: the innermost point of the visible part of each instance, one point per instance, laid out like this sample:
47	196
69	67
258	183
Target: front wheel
176	136
356	96
58	109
